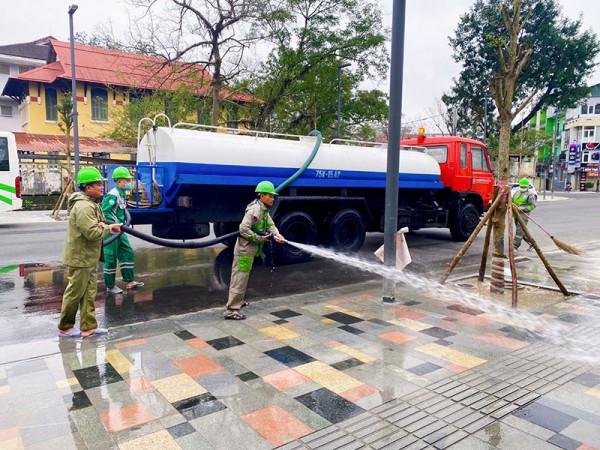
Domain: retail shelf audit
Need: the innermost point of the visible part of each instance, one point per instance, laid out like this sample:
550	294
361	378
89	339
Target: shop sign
582	181
574	157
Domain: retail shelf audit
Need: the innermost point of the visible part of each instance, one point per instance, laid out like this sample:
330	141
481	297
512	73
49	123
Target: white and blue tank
204	157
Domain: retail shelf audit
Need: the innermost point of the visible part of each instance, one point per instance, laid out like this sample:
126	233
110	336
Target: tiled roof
112	67
29	142
116	68
37	49
44	74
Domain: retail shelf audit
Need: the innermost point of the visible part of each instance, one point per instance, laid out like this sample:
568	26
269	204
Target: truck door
483	180
463	179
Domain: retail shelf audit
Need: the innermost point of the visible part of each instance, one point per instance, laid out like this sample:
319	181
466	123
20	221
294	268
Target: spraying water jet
555	333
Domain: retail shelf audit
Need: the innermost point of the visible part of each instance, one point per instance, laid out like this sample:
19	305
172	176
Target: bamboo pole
511	258
539	252
63	196
486	244
476	231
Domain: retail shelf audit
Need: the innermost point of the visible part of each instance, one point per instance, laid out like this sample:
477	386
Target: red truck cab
464	164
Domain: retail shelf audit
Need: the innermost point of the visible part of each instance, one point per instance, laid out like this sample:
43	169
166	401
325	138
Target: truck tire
295	226
465	222
223	228
347	231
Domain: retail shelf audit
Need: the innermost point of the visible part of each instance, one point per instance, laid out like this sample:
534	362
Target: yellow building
106	80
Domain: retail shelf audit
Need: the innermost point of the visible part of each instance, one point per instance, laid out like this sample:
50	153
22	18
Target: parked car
515	186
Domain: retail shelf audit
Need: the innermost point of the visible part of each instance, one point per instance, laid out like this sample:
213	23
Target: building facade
572	154
580	143
16	59
107	80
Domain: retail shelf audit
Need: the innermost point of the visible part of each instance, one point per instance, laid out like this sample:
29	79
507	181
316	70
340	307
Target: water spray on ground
555	333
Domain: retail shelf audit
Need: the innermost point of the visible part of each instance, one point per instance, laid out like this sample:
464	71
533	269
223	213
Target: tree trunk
68	138
215	104
499	220
217	83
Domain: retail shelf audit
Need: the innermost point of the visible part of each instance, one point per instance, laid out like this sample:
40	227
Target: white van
10	177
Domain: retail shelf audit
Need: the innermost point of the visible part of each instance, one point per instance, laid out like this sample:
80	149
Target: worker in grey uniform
256	228
525	201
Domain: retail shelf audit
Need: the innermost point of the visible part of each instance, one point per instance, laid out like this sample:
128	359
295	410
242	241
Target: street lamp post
72	10
453	111
485	118
598	175
339	101
554	154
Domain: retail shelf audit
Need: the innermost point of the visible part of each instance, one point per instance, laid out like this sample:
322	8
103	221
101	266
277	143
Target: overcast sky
428	65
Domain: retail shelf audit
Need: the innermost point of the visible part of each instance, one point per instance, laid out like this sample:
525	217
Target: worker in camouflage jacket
524	199
256	228
118	251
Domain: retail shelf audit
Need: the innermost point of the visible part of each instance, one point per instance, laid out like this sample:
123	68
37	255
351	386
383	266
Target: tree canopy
211	34
524	54
299	45
561	58
298	81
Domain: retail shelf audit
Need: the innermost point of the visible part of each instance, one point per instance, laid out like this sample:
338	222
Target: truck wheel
223	228
347	231
465	222
295	226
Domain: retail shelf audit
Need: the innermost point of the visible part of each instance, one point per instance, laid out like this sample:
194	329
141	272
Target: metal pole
554	153
598	174
485	115
454	121
72	10
393	150
339	99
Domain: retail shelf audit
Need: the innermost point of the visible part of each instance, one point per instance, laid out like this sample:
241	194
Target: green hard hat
88	175
121	173
265	187
524	182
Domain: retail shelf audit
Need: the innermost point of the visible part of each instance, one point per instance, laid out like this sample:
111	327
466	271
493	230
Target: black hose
173	244
116	235
167	242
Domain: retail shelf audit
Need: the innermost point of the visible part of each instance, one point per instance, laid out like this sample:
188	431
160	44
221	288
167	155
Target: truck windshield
438	152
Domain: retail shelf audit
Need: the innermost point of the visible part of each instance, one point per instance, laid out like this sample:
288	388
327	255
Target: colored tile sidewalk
332	369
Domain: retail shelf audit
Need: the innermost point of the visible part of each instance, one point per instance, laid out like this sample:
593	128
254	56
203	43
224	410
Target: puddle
529	297
177	281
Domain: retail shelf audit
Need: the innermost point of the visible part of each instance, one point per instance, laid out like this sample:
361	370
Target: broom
560	244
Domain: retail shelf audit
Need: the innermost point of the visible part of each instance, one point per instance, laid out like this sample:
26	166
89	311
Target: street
182	281
575	220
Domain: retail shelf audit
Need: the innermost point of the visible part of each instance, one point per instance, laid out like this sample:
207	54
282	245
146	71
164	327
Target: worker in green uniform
82	251
119	250
525	201
256	228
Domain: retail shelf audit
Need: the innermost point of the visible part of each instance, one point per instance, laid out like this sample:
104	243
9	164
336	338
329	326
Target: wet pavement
176	282
334	368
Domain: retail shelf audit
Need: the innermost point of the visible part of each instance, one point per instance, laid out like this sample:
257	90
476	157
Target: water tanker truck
188	176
